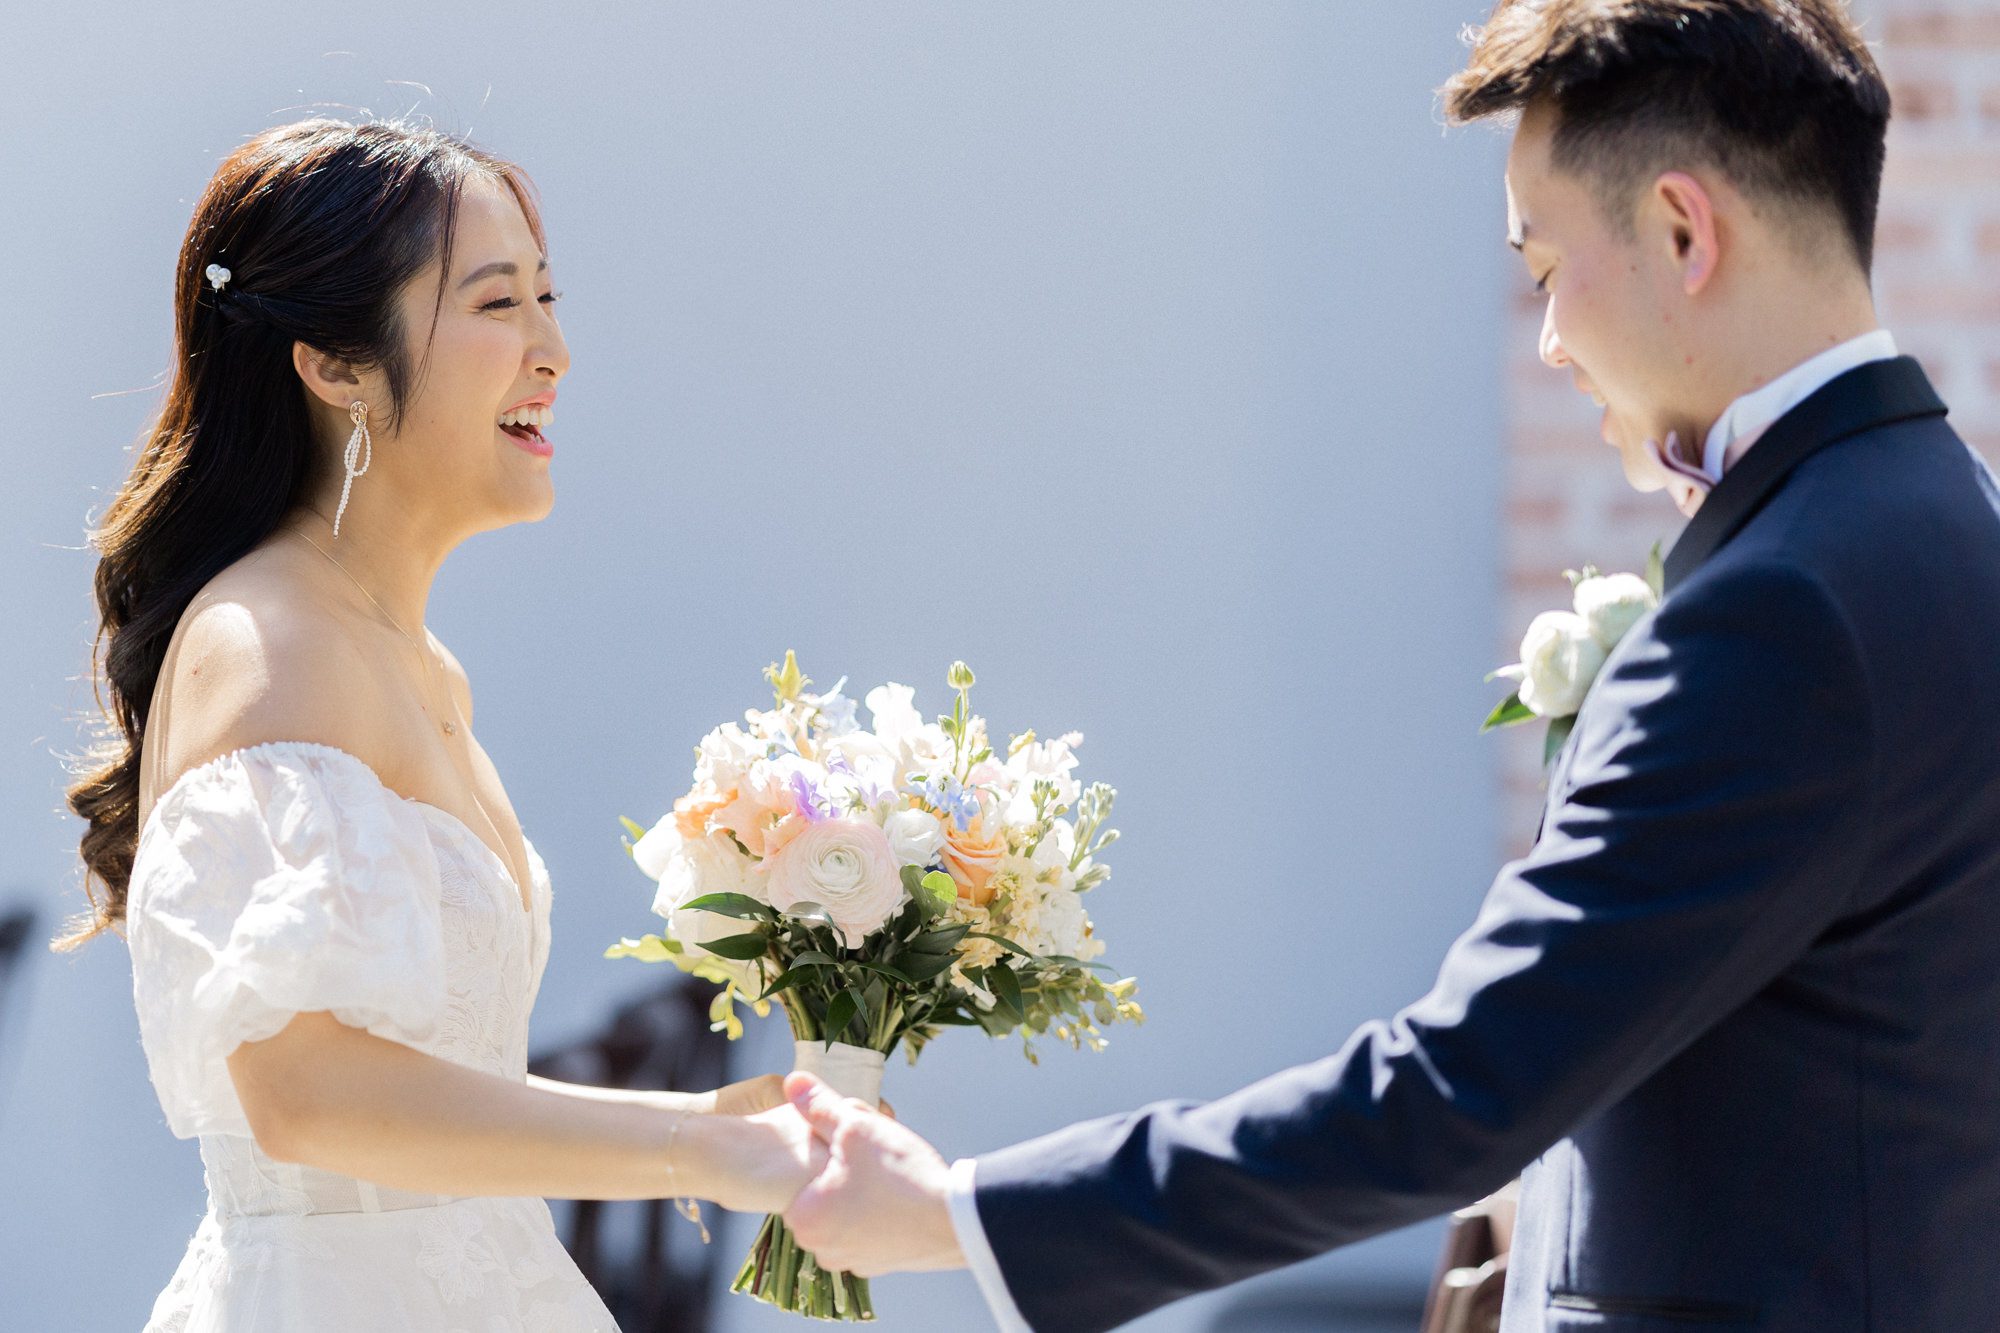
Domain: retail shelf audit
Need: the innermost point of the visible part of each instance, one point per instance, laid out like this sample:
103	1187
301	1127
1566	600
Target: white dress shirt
1757	410
1743	419
978	1254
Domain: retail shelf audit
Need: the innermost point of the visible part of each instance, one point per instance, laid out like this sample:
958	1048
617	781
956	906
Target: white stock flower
1611	604
1559	659
845	866
1049	919
1053	760
915	837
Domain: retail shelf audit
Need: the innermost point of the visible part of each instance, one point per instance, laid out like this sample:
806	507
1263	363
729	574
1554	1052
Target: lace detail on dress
451	1251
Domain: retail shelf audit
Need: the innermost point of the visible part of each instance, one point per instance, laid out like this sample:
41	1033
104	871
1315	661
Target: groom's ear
1686	214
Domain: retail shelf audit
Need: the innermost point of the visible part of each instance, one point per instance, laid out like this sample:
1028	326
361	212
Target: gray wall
1194	307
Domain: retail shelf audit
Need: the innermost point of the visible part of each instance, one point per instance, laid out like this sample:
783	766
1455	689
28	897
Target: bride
337	926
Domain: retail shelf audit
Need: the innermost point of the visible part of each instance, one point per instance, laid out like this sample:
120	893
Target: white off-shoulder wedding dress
286	877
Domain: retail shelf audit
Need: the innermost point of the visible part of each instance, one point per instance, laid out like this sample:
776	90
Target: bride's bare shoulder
262	654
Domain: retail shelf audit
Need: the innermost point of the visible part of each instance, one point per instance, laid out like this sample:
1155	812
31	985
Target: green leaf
1510	712
812	958
894	974
1068	961
838	1015
647	949
731	904
928	898
741	948
997	1021
1002	941
909	920
1656	572
788	979
1559	730
941	889
633	827
1006	988
922	967
942	940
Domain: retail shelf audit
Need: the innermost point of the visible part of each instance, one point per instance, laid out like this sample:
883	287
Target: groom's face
1609	314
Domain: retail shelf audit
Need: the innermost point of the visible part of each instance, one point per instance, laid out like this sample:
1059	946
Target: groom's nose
1553	354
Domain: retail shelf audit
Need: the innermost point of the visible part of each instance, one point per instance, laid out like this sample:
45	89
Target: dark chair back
16	925
648	1264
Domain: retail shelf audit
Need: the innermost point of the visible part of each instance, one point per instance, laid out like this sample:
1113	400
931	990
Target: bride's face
496	352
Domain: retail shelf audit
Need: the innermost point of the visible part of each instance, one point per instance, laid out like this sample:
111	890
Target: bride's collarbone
457	785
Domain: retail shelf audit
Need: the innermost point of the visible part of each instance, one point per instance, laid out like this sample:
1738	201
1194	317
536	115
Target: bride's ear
327	378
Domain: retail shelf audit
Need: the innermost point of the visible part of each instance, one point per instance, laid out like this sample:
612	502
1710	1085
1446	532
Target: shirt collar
1759	408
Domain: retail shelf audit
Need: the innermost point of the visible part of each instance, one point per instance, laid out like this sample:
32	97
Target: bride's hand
749	1096
752	1095
768	1158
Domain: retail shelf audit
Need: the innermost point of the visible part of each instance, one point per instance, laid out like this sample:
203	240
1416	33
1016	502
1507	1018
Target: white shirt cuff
978	1254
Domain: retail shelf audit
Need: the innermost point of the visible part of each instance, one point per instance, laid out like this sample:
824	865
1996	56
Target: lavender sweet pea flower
812	804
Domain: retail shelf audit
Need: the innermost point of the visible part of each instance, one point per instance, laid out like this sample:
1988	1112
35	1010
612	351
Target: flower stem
780	1273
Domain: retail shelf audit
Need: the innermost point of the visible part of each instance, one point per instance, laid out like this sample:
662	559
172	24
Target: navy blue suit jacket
1737	1013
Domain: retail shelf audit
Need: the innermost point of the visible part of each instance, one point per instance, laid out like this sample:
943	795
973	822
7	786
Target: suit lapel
1868	396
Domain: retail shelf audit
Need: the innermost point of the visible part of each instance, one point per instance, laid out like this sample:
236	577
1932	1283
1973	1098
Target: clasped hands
873	1198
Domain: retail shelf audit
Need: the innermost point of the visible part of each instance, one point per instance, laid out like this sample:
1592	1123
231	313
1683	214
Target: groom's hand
879	1206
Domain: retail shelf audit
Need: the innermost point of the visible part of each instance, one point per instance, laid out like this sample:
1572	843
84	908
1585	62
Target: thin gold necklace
423	655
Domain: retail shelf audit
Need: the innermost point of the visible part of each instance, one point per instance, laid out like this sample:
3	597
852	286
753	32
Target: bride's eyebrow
499	267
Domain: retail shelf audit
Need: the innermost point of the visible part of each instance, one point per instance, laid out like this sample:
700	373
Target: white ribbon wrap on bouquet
851	1071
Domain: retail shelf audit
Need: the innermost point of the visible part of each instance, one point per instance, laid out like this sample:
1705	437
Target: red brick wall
1937	285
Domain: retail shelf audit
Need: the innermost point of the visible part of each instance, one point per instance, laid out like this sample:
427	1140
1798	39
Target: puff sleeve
273	880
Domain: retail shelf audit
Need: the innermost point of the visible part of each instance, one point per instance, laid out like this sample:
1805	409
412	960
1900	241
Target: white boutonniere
1564	650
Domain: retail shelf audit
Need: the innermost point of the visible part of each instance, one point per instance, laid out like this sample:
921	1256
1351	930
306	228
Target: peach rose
972	854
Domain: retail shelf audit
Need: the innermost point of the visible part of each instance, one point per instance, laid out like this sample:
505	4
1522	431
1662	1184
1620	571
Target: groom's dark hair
1781	96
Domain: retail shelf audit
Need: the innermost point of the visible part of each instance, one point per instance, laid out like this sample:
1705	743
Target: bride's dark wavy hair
321	224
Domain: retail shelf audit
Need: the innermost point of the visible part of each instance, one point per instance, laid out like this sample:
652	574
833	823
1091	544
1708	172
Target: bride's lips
528	435
534	444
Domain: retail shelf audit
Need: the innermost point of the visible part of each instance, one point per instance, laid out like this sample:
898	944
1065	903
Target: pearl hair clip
217	276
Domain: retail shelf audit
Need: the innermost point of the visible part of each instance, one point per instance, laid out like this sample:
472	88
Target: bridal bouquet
880	884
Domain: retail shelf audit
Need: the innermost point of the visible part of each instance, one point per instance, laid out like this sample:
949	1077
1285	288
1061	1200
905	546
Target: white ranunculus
845	866
1559	659
916	837
1611	604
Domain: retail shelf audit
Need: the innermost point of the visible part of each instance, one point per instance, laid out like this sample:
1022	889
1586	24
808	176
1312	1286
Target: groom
1737	1013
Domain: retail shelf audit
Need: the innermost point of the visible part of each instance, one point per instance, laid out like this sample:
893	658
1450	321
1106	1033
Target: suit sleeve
1715	821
